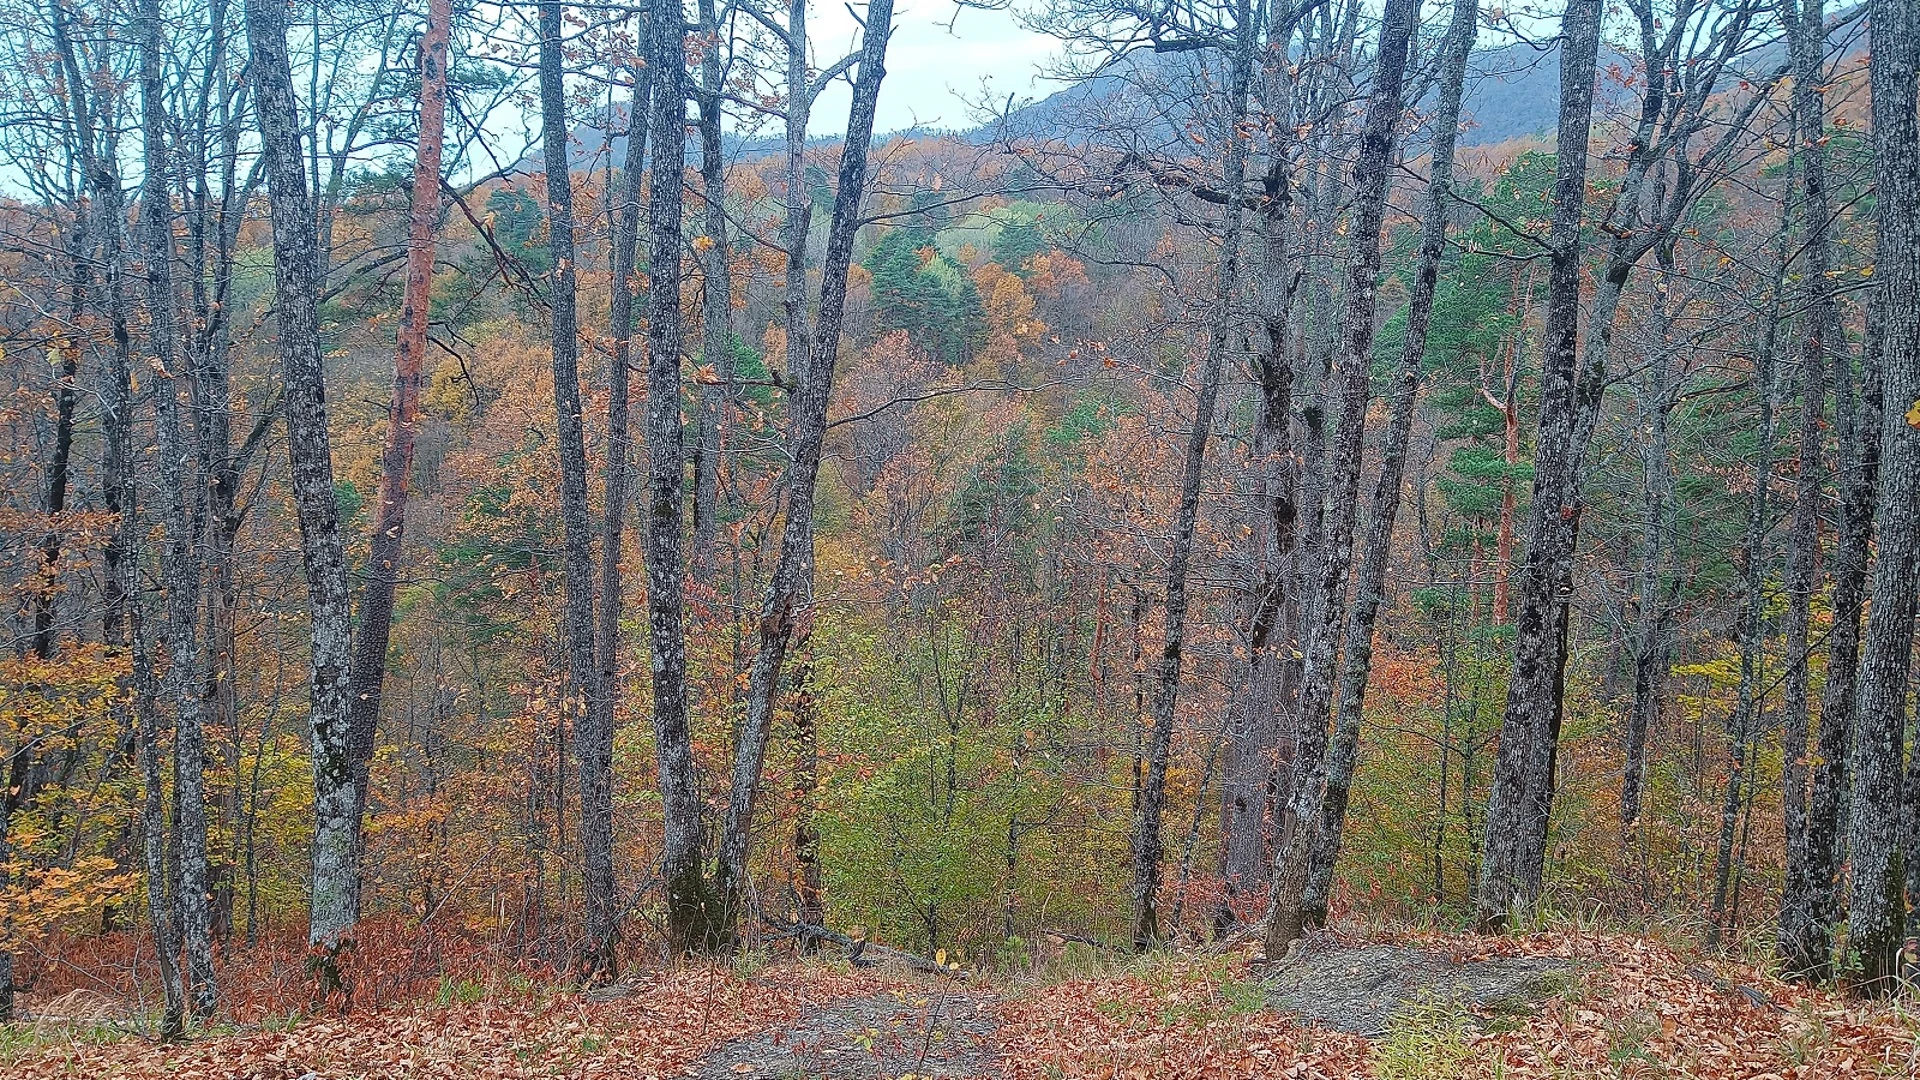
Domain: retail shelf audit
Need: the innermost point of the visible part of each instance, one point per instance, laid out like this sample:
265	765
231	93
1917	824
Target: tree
1686	59
1876	915
369	664
1147	846
1370	586
1327	605
807	423
297	270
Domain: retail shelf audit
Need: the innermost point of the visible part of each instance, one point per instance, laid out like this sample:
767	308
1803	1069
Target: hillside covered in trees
1422	487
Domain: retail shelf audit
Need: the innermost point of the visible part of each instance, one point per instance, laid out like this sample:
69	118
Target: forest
558	538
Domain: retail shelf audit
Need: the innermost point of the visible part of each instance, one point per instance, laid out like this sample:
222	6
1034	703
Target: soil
928	1032
1359	989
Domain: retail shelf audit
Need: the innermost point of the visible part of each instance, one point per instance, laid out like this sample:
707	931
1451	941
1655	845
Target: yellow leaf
703	243
1913	415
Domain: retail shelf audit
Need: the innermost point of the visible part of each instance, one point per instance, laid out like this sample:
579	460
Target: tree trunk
1877	912
1805	943
593	742
1370	594
693	912
1746	710
586	695
1147	845
183	684
1510	873
1650	649
1293	859
1254	732
806	433
716	304
331	915
369	667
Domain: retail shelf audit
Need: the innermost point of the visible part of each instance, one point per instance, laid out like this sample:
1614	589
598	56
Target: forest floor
1393	1006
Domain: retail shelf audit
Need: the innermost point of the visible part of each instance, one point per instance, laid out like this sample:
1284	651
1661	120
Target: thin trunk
807	428
716	303
593	742
1147	844
1753	572
182	685
1370	593
808	890
403	417
1876	914
1300	822
296	248
586	692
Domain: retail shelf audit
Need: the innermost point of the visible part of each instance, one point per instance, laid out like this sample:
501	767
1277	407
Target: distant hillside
1513	91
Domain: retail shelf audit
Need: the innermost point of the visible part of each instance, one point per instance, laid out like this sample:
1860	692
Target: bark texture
1147	846
297	271
1370	588
375	629
1517	810
1352	388
1877	913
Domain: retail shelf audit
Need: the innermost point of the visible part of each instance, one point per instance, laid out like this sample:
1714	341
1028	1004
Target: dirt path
926	1032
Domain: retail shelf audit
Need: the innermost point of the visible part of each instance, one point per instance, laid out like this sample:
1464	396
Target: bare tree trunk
403	417
183	683
1856	421
807	428
1746	711
1877	912
1253	737
331	915
1805	944
593	742
1650	649
1509	874
1293	859
586	696
716	303
1370	592
1147	844
809	899
693	912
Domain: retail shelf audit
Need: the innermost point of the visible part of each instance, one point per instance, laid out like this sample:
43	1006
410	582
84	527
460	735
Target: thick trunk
693	912
1370	592
1292	860
1509	874
1254	732
1147	844
1876	914
403	418
806	433
296	251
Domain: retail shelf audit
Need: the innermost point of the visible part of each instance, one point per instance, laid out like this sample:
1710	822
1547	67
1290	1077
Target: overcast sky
933	73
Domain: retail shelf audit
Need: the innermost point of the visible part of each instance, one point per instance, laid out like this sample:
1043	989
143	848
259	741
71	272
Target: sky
934	75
